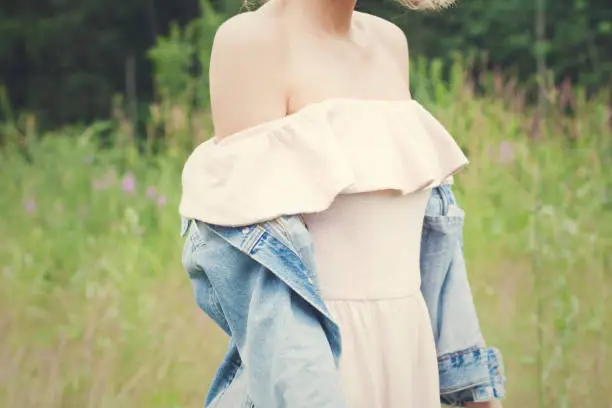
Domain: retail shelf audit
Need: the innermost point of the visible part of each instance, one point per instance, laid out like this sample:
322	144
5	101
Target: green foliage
181	59
64	59
172	58
577	46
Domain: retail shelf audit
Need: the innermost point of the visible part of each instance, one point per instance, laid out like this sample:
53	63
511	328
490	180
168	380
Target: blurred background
102	101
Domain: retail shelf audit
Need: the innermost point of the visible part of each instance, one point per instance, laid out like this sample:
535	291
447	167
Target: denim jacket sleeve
469	371
279	354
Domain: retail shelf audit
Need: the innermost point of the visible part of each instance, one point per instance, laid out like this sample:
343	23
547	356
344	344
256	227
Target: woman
309	205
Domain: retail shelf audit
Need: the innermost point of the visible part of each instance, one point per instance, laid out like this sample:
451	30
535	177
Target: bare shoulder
387	30
389	34
246	73
244	31
243	40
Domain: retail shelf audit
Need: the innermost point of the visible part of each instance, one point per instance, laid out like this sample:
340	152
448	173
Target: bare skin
291	53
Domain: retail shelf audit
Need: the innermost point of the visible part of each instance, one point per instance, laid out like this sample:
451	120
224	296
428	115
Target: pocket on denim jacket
442	203
443	223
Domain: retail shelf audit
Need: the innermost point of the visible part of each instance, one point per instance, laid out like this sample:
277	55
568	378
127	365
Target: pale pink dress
366	250
360	172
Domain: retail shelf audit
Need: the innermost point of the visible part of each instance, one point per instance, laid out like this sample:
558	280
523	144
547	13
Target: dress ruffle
300	163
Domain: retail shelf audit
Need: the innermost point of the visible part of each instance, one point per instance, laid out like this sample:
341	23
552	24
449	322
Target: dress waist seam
328	298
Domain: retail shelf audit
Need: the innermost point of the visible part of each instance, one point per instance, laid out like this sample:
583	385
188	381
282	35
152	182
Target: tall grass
96	311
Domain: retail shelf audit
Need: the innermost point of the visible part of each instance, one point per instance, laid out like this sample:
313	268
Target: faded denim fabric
284	345
258	283
469	372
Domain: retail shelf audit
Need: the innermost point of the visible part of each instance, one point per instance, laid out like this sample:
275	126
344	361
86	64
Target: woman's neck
331	16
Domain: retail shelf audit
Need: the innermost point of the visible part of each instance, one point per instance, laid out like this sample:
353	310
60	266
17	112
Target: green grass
96	311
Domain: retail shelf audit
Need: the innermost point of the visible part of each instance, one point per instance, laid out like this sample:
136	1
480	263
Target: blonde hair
426	4
411	4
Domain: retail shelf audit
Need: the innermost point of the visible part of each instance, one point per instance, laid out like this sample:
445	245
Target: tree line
65	60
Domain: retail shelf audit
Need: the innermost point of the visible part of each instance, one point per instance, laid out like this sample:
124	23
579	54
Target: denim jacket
257	284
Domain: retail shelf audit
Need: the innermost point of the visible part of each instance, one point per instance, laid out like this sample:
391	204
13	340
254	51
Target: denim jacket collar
270	248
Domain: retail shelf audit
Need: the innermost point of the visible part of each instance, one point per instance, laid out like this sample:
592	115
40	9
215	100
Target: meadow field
96	310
